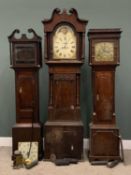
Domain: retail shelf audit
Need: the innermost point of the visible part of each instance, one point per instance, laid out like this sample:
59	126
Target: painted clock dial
24	147
64	43
104	51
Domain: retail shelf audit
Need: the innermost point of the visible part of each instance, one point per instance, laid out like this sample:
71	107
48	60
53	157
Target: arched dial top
104	51
64	43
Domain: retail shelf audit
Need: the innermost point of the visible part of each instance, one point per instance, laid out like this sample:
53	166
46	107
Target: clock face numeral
64	43
104	51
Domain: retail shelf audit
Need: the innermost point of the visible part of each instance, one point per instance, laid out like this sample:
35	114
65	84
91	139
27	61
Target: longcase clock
64	55
103	58
25	54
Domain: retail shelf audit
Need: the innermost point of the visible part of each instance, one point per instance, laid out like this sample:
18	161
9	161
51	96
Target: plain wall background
24	14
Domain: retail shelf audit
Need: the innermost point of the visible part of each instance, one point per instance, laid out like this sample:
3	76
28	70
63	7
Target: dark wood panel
64	96
64	140
27	95
104	95
104	143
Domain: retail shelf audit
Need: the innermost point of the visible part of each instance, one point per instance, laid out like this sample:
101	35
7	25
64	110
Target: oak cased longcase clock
64	55
103	58
25	54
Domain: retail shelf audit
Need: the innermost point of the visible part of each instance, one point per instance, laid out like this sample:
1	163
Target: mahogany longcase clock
64	55
103	58
26	60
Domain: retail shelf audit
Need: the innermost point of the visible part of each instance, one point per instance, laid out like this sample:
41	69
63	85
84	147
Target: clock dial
104	51
24	147
64	43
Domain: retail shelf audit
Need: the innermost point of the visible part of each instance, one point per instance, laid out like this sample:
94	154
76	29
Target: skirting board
7	141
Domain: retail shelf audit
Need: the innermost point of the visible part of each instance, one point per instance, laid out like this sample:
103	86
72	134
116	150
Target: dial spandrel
104	51
64	43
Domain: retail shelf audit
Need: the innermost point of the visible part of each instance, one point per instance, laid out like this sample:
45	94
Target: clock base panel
63	140
25	133
104	143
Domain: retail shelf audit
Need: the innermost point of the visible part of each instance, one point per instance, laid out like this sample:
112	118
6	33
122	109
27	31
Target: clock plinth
25	133
63	139
104	139
104	143
64	55
25	57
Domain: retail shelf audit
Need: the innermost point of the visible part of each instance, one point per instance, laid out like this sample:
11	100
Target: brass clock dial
64	43
104	51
